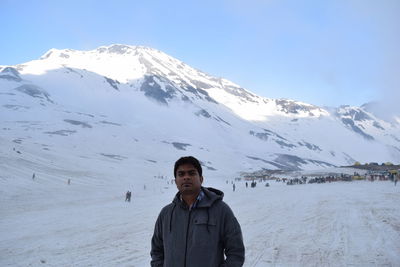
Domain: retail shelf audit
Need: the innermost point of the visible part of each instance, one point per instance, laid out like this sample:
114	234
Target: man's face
188	181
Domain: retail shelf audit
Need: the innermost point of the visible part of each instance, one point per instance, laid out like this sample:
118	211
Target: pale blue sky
321	52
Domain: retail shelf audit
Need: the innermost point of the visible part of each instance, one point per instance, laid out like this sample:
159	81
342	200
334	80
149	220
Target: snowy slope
136	107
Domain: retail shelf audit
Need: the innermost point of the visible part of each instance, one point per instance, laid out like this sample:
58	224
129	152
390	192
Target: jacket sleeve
233	241
157	246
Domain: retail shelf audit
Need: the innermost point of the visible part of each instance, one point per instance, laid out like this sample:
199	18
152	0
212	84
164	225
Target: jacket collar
200	196
205	199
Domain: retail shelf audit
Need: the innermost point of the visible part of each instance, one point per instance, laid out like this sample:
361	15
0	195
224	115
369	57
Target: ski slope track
116	118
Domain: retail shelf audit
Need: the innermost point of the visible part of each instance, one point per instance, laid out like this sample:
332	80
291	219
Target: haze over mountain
135	110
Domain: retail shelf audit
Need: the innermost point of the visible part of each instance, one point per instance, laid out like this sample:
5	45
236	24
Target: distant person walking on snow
33	176
234	186
128	196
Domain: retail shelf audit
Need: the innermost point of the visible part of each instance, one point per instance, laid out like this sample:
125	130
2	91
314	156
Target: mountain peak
62	53
160	72
122	49
113	49
116	49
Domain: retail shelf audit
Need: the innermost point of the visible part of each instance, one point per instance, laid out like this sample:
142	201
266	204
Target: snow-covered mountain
134	110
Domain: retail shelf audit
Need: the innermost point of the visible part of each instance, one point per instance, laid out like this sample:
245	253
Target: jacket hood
211	195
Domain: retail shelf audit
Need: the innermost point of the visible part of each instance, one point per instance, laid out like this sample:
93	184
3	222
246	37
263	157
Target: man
197	229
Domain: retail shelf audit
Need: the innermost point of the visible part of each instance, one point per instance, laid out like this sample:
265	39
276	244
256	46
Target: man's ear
201	179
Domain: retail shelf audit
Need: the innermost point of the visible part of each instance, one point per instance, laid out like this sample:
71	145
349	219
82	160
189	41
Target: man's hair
188	160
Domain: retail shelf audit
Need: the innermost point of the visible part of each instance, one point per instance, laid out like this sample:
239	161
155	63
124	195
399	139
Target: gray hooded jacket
197	237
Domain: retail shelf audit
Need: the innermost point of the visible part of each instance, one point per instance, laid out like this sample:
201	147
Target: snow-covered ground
46	222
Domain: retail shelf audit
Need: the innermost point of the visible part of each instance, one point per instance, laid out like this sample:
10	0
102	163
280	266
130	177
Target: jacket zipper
187	234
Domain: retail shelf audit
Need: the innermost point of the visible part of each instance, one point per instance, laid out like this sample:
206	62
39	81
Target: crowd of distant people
329	179
342	177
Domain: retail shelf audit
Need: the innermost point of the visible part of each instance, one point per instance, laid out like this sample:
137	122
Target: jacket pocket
204	222
204	234
204	228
